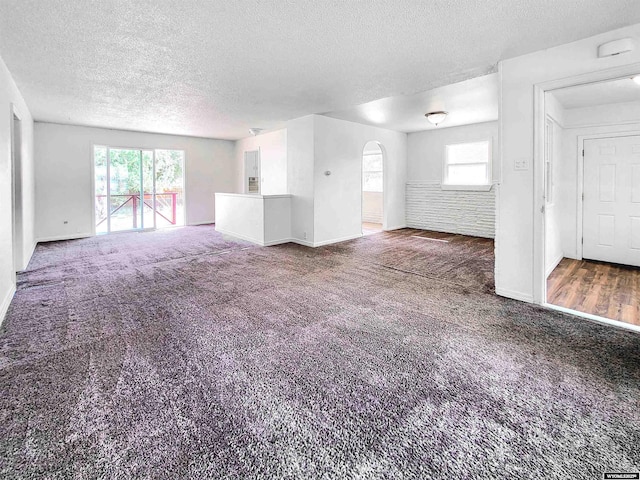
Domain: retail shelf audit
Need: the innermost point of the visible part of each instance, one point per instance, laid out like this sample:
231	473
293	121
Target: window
137	189
372	172
467	164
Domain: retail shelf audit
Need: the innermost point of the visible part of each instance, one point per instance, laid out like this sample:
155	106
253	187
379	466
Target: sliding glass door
169	188
138	189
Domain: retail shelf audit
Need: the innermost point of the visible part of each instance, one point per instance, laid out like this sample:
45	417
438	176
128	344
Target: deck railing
134	200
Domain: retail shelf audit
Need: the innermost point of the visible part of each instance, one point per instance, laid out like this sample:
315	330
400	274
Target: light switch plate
521	164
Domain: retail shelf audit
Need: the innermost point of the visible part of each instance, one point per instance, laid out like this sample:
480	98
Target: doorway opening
16	192
592	200
137	189
372	188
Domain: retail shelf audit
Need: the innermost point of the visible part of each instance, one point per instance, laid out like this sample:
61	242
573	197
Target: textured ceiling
470	101
215	68
601	93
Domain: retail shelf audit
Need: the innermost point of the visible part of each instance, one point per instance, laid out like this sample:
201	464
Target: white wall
561	233
612	114
265	220
555	211
426	150
465	212
338	147
569	175
428	206
372	207
273	161
64	158
554	109
300	181
10	100
277	219
241	216
515	206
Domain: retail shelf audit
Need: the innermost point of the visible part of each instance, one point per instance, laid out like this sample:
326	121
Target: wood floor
599	288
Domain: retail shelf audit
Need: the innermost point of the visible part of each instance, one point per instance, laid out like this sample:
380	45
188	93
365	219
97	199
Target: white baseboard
336	240
304	243
27	257
6	301
553	266
307	243
388	229
523	297
254	240
74	236
195	224
277	242
240	237
451	232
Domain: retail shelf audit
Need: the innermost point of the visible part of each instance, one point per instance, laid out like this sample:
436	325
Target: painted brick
464	212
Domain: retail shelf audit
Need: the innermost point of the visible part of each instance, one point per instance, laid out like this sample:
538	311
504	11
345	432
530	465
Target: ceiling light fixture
436	117
255	131
636	79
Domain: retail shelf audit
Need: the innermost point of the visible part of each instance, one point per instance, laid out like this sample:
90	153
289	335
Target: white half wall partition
261	219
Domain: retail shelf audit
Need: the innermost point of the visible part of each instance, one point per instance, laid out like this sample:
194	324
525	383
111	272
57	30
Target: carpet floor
182	354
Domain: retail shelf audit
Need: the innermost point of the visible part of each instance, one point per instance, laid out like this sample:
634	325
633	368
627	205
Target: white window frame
484	187
149	149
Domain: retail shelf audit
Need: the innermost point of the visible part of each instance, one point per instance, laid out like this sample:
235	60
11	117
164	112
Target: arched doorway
372	188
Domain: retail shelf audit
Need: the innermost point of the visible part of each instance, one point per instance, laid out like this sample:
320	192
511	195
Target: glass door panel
148	218
125	185
138	189
169	168
101	201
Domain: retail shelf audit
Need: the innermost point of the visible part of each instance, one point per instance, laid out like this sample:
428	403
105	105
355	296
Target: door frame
539	213
141	149
384	183
93	188
17	234
539	200
580	181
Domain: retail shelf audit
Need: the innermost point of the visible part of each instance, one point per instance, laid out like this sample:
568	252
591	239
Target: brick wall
454	211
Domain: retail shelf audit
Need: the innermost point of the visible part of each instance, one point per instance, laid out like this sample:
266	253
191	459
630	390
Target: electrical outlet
305	235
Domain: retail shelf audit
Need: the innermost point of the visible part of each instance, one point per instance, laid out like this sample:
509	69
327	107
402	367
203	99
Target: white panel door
611	207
